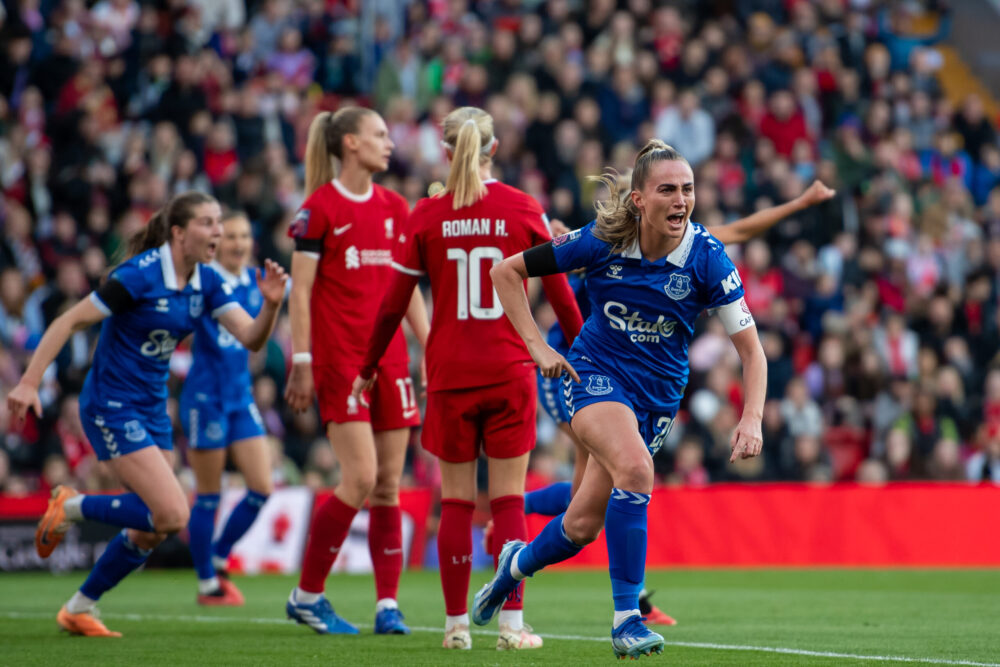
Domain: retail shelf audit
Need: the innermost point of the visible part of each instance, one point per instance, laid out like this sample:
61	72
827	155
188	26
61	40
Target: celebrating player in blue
148	303
553	499
217	411
650	274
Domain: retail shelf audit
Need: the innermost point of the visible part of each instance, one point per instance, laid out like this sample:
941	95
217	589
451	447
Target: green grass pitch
727	617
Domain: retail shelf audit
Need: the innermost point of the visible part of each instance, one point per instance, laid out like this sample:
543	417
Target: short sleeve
578	249
538	222
219	295
406	253
722	280
309	226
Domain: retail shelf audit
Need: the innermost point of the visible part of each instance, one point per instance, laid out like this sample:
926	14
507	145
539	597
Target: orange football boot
86	624
53	524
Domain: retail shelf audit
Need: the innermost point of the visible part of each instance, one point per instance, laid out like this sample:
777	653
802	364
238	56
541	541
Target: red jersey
471	343
353	236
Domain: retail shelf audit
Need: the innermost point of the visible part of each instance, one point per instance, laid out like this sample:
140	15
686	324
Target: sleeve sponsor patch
300	224
567	238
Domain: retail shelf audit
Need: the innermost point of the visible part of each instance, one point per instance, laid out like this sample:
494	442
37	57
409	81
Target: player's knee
635	474
357	487
386	492
581	529
264	487
171	520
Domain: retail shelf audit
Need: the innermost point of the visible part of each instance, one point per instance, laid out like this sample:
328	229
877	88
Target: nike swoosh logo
407	414
392	552
337	231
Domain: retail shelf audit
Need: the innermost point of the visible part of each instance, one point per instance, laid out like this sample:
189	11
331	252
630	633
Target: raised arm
84	314
508	280
253	332
299	390
747	439
744	229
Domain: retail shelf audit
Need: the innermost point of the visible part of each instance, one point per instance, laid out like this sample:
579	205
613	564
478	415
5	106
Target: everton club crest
678	287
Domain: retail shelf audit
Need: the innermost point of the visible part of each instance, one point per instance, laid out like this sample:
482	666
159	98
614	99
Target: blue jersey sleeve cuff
100	305
224	308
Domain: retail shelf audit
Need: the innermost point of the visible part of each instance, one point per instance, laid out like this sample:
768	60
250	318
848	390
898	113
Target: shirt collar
678	256
170	275
347	194
233	280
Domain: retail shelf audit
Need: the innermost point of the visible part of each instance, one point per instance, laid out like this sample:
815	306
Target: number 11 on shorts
407	397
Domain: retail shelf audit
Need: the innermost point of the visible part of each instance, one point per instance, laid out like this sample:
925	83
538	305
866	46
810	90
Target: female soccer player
554	499
344	234
218	412
481	388
650	273
149	302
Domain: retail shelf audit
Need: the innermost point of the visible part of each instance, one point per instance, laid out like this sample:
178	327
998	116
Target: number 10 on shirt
470	282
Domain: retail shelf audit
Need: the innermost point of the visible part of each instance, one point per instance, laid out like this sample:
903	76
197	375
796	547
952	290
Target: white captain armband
735	316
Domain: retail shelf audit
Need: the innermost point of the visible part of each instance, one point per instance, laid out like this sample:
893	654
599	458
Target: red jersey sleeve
309	226
407	256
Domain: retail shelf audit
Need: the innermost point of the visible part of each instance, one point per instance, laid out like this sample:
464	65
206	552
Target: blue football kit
633	347
123	401
216	403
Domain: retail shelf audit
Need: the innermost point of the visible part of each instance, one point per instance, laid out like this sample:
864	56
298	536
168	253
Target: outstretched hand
816	194
272	283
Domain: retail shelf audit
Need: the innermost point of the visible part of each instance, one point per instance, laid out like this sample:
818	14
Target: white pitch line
704	645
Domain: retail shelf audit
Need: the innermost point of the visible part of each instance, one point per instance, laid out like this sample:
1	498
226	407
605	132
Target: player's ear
637	199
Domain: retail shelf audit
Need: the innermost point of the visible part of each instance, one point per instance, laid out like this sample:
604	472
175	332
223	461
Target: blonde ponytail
618	217
468	134
326	141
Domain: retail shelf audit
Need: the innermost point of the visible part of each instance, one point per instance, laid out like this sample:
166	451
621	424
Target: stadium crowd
877	310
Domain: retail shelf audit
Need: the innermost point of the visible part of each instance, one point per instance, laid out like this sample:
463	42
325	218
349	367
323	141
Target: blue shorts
596	386
210	424
553	399
114	431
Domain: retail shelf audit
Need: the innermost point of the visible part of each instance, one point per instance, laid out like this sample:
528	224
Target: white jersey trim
224	308
100	305
232	279
735	316
405	269
347	194
170	273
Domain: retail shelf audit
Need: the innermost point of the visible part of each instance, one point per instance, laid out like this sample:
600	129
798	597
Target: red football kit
481	386
352	237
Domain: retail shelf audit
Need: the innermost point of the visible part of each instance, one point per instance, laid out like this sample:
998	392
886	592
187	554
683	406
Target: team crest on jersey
678	287
300	224
599	385
388	228
134	432
254	298
196	305
566	238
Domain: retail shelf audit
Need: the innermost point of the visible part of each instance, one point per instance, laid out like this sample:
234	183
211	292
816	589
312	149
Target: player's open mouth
212	247
676	218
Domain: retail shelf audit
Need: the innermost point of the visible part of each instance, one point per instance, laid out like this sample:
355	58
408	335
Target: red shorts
501	417
392	400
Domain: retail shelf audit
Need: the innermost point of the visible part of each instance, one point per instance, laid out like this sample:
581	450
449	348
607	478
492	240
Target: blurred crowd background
877	310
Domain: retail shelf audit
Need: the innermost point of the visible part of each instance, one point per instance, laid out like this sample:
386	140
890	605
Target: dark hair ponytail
177	212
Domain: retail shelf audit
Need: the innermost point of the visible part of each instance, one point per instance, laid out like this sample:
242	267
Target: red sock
509	524
455	553
385	542
326	534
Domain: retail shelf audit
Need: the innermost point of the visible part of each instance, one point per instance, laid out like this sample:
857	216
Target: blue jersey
642	313
148	316
220	363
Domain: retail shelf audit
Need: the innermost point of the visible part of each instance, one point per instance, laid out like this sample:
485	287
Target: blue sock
201	525
126	510
550	500
119	559
551	546
239	522
625	529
